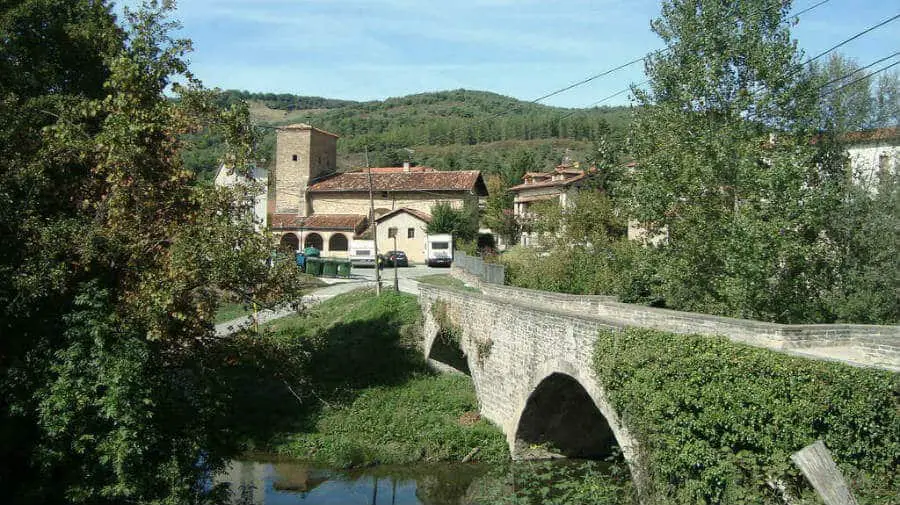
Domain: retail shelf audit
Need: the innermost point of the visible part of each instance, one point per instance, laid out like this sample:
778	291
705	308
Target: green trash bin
329	267
343	268
314	266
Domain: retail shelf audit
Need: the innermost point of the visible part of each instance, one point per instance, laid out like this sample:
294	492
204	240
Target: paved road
406	276
361	278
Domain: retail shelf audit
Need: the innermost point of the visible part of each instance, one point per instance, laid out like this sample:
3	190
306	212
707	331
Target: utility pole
374	227
396	282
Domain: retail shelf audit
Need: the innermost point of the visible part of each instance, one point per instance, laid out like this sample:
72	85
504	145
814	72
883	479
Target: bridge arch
565	407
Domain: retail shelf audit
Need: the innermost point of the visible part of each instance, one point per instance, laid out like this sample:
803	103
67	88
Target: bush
716	420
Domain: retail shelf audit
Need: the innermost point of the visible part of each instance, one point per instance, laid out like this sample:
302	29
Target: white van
439	250
362	253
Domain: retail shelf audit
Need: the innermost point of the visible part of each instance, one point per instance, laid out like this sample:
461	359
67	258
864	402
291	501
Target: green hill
450	130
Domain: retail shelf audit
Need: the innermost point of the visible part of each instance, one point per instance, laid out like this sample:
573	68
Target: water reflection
274	482
283	483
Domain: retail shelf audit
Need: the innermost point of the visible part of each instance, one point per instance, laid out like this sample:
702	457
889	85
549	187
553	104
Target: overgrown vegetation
362	393
717	421
113	259
556	482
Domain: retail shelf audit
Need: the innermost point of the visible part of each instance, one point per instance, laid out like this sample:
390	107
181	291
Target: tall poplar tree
726	165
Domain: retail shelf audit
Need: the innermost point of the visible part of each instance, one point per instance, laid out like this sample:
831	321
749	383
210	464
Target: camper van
362	253
439	250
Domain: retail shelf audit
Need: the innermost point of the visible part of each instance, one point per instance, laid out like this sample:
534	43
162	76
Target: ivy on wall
717	421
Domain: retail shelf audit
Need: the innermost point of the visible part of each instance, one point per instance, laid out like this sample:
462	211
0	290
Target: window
294	157
410	233
440	245
392	232
338	242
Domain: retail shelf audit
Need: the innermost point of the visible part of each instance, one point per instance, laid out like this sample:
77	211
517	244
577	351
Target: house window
410	233
293	157
392	232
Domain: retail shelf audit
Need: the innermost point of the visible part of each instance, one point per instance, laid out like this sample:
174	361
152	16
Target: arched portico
290	241
313	240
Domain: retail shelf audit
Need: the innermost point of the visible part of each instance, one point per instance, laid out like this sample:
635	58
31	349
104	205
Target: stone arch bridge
529	354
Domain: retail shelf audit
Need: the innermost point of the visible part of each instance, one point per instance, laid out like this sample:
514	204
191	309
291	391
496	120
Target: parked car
396	258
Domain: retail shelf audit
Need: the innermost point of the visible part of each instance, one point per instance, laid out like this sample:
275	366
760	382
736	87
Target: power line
858	35
865	76
841	78
597	76
799	67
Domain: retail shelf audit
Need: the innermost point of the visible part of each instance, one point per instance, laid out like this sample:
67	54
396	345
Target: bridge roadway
529	354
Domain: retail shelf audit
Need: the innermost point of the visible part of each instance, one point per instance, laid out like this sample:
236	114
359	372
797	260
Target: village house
872	154
228	178
560	186
315	205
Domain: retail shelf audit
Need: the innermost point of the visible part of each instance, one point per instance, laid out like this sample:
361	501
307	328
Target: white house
408	226
873	153
228	178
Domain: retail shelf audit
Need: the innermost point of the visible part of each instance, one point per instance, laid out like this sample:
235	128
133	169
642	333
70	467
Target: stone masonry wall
510	351
880	344
513	339
316	154
358	203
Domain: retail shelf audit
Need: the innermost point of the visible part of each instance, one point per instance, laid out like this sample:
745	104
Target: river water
288	482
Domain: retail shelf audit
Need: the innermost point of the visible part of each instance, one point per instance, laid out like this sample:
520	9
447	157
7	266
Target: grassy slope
363	392
445	280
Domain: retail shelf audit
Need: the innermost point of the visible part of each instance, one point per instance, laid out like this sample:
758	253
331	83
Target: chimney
406	166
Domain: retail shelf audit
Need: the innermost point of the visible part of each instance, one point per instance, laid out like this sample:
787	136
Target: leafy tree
851	101
498	211
462	223
725	163
112	259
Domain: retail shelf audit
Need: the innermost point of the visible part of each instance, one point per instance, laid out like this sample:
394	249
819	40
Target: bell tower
302	155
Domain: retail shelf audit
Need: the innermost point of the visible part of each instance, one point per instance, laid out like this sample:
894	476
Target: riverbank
345	385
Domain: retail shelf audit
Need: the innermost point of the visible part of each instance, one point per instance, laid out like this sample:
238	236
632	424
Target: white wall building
229	178
873	153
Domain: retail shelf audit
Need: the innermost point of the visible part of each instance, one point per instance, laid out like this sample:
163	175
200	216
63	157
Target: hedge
717	421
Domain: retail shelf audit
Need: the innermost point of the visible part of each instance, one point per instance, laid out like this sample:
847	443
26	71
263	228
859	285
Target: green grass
346	384
415	421
445	280
230	310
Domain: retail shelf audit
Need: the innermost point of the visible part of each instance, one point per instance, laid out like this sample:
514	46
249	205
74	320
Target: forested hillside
450	130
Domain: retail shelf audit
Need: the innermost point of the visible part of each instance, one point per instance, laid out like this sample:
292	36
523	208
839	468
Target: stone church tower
302	155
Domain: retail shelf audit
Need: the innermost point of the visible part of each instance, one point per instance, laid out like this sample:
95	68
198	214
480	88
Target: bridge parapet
874	345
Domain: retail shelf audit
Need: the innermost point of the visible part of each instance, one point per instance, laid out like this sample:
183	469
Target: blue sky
374	49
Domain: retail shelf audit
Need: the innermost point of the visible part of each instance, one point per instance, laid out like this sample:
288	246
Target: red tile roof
463	180
413	212
872	135
396	170
547	184
349	222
